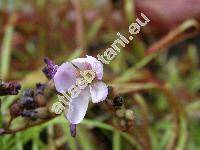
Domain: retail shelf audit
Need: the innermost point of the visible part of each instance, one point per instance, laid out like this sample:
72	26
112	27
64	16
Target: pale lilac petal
90	63
99	91
65	77
97	66
82	63
78	107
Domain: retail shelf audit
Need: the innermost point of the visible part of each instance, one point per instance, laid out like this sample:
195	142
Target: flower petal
65	77
90	63
99	91
78	107
82	63
97	66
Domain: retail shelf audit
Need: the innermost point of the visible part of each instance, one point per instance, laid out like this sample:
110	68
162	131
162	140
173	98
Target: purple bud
15	110
27	103
40	88
73	130
28	93
118	101
51	68
32	114
9	88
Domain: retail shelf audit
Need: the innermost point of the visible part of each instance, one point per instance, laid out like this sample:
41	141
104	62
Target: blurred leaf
70	140
125	77
94	28
77	53
131	139
31	78
19	141
97	124
118	65
129	10
116	140
183	135
123	88
84	139
193	54
6	51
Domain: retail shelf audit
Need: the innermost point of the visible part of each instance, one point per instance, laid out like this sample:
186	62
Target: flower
67	75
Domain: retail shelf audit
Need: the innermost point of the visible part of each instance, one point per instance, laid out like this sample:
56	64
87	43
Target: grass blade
116	140
6	51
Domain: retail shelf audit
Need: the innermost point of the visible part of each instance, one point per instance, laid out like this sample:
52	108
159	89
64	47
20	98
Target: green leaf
127	75
69	139
6	51
94	29
84	139
116	140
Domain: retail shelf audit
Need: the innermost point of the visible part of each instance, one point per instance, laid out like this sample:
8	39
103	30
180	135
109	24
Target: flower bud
28	93
73	130
51	69
15	110
120	113
40	88
27	103
31	114
9	88
40	100
118	101
129	114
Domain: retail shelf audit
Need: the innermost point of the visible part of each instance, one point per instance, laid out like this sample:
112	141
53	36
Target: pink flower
67	75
